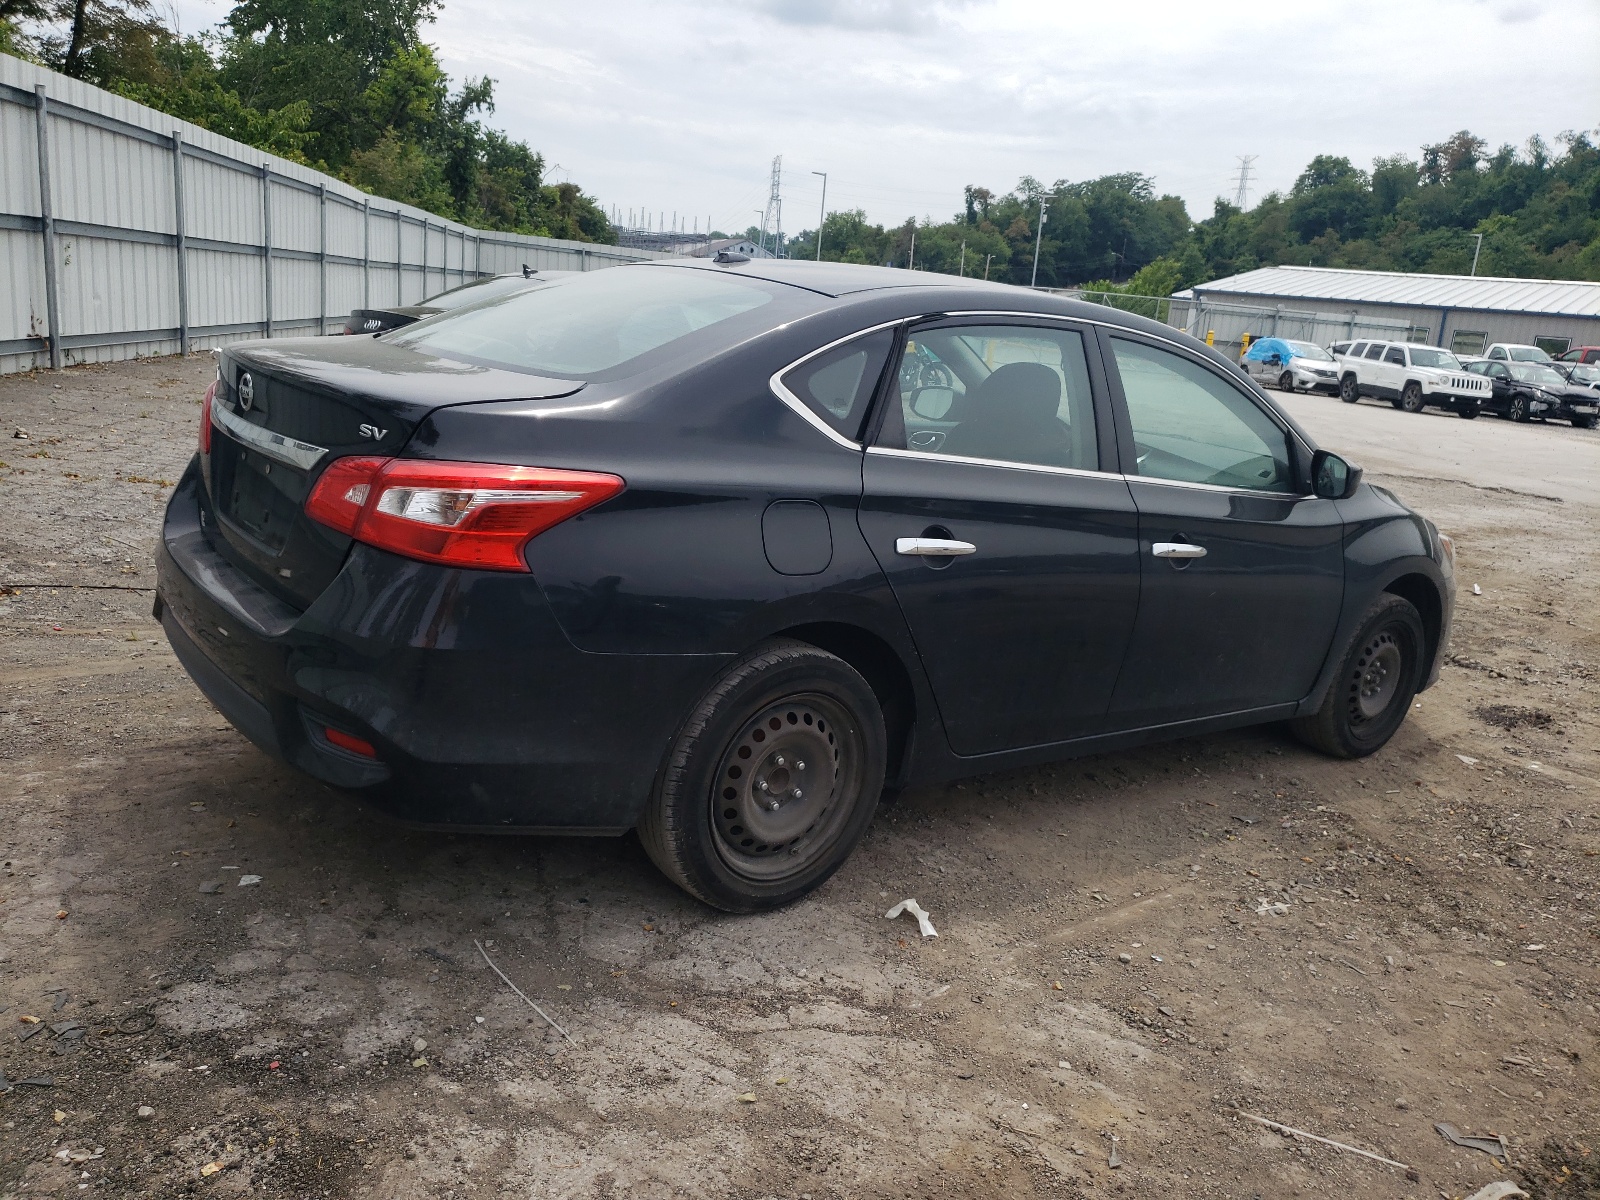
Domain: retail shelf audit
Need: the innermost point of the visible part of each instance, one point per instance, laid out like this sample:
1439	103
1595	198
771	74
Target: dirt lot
1102	980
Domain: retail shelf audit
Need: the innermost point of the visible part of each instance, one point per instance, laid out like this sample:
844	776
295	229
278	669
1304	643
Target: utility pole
986	259
1477	250
822	215
963	268
1038	240
774	210
1241	192
911	259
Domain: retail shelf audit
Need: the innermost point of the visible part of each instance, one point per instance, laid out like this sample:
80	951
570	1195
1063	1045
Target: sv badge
373	432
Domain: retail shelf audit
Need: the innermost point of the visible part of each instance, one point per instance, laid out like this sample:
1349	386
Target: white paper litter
1476	590
1263	909
1500	1190
915	909
1471	762
247	880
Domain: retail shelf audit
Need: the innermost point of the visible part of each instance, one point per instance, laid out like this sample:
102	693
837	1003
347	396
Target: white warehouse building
1459	312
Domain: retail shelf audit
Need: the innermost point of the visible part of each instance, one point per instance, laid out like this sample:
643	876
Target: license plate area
260	496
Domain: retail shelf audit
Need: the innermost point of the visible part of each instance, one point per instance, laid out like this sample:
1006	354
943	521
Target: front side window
1009	393
1192	426
1358	350
588	324
1396	356
837	385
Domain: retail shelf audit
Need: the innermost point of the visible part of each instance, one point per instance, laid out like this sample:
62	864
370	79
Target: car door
1243	573
1499	377
1013	554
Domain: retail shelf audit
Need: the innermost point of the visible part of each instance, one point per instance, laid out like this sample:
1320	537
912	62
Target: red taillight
348	741
460	514
205	418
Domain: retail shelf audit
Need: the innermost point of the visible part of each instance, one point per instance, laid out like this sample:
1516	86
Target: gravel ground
1103	989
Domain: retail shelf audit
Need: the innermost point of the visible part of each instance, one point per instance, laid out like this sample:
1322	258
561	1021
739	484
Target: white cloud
673	104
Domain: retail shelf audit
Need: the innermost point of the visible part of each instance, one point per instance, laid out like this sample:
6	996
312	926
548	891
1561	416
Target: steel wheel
780	786
1376	678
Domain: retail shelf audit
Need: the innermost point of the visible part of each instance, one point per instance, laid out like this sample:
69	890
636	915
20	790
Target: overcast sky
671	105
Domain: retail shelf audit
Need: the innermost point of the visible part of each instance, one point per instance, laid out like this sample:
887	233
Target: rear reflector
460	514
205	418
347	741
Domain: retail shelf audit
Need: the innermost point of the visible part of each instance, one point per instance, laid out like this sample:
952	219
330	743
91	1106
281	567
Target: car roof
832	278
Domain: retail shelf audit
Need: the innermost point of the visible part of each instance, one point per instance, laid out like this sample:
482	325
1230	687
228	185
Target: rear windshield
586	324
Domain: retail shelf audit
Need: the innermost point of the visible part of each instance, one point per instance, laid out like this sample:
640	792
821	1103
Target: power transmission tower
1241	194
773	214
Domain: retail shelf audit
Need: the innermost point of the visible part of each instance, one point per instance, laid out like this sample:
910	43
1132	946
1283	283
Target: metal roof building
1463	313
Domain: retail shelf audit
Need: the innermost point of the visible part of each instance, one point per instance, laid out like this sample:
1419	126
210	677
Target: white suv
1410	377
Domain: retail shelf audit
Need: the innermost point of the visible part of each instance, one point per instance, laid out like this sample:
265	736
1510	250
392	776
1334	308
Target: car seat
1014	418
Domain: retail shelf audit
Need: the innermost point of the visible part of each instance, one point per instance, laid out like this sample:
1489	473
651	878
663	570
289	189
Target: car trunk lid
284	410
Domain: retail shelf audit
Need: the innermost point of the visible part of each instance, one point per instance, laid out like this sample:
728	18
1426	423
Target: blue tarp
1264	348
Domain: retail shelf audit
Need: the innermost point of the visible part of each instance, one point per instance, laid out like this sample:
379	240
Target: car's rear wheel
1519	408
1411	398
1371	694
1349	389
771	782
1286	382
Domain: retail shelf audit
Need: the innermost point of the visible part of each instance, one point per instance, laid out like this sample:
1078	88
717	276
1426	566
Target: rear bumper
482	713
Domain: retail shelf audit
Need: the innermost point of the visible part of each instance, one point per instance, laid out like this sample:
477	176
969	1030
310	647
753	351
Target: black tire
1518	409
1411	398
787	718
1286	382
1349	389
1468	410
1379	673
1583	422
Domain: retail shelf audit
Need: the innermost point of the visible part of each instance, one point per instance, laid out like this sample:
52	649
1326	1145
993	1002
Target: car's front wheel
1371	694
1411	398
1286	382
1519	408
771	782
1468	409
1349	389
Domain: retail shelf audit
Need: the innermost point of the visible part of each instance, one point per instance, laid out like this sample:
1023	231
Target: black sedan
1523	391
1580	402
381	320
719	551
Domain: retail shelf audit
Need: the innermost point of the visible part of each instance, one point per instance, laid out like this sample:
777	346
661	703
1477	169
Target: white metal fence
125	232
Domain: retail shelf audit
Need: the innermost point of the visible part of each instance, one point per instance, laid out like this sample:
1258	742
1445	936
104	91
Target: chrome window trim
804	410
931	456
1041	468
287	450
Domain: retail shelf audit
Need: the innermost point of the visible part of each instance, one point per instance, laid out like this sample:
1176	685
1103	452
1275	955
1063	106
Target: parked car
379	320
1580	354
1513	352
680	547
1581	401
1523	391
1291	366
1410	377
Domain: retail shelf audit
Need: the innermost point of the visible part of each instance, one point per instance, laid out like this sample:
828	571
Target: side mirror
932	402
1332	478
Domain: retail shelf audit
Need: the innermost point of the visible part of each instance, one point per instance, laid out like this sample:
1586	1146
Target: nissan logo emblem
247	391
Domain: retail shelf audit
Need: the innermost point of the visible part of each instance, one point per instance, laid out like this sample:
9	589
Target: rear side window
586	324
1396	356
1375	351
838	384
1358	350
